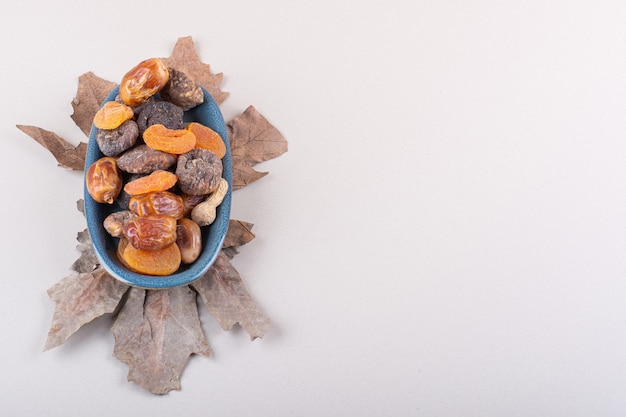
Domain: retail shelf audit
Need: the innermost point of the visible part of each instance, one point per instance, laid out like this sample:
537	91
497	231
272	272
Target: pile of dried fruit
164	175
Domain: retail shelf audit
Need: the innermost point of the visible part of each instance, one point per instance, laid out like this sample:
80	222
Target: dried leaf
227	299
185	58
87	262
239	233
92	90
68	155
155	333
252	140
79	299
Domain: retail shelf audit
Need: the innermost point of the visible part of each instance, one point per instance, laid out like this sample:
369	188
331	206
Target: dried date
152	232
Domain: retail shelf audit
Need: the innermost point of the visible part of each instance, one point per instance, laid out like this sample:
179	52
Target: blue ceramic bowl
105	246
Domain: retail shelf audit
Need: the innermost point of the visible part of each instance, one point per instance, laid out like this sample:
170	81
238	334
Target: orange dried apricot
159	180
112	115
207	138
143	81
160	262
175	141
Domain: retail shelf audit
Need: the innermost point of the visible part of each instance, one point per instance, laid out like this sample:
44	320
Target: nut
205	212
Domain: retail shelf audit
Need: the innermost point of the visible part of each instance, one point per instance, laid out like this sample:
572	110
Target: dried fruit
175	141
157	181
114	223
111	115
207	138
160	262
142	159
152	232
190	201
182	90
158	202
189	240
113	142
103	180
160	112
143	81
199	172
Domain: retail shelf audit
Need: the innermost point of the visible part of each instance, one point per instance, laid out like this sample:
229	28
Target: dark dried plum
182	90
143	160
160	112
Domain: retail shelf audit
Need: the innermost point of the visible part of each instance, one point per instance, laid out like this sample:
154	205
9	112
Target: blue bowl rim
209	114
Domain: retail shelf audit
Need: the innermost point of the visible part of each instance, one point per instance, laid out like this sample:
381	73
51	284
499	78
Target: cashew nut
205	212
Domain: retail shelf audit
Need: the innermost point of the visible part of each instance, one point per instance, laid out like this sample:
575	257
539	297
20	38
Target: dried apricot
159	180
143	81
152	232
176	141
207	138
160	262
103	180
157	202
112	115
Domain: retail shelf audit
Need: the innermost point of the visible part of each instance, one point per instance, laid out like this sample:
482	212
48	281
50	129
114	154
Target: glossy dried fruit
103	180
152	232
111	115
142	159
207	138
190	201
160	112
115	141
189	240
114	223
157	181
199	172
174	141
143	81
182	90
160	262
159	202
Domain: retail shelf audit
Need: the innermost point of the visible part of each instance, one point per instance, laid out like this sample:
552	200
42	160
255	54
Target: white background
445	236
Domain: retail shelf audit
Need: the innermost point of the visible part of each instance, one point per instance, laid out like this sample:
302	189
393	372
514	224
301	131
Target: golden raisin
143	81
112	115
175	141
151	232
159	180
160	262
103	180
157	202
207	138
189	240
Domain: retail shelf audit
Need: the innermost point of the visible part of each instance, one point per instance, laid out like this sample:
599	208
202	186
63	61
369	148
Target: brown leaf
252	140
87	262
239	233
92	90
185	58
227	299
79	299
155	333
68	155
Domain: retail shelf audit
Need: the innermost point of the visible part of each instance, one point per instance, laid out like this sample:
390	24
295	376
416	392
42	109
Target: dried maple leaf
227	299
92	90
155	333
79	299
67	155
185	58
252	140
239	233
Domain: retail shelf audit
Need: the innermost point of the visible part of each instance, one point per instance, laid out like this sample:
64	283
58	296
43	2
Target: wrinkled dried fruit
112	115
114	223
160	112
152	232
207	138
157	181
160	262
189	240
190	201
115	141
159	202
142	159
182	90
199	172
143	81
175	141
103	180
